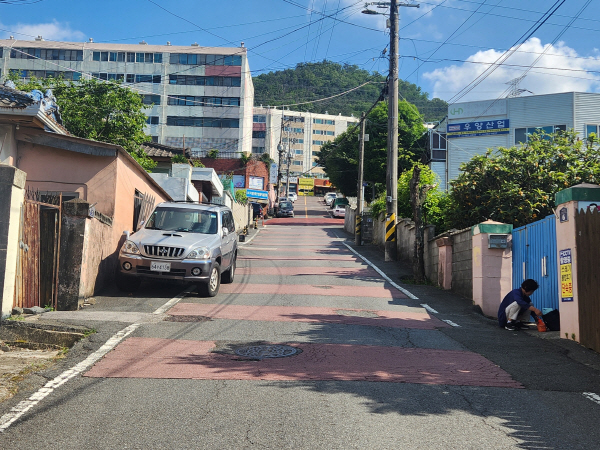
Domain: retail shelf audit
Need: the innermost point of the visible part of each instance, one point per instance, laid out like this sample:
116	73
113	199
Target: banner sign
256	183
566	276
481	128
253	193
306	182
273	172
239	181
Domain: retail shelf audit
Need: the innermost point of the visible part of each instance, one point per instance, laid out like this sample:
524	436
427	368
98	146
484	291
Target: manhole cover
354	313
267	351
186	318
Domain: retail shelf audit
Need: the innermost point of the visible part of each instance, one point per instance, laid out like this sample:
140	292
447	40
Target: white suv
189	242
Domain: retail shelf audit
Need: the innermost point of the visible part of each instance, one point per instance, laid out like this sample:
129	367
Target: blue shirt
516	295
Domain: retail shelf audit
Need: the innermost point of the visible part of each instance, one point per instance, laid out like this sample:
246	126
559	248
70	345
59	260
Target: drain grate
267	351
187	318
354	313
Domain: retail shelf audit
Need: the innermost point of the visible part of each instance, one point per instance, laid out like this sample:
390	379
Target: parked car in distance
285	209
339	211
329	197
292	197
187	242
339	201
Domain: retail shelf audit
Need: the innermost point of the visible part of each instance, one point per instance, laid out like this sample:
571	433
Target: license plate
160	267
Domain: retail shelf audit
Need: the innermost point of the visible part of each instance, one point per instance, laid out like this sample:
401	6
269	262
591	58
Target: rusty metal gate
587	239
39	247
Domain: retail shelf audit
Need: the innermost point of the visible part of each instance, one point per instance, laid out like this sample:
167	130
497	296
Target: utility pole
392	169
359	194
289	161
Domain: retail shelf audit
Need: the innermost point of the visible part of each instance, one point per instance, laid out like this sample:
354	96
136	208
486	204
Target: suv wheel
229	275
211	288
127	283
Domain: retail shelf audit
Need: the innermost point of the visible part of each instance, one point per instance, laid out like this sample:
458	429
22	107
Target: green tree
101	111
179	159
241	197
517	185
339	158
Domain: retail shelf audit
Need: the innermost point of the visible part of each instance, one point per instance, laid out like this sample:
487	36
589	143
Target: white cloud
54	31
567	72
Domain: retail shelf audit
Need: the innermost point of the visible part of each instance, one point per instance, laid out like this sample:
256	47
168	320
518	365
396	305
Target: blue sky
445	44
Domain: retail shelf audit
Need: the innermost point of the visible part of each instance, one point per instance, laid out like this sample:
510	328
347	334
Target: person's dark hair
529	285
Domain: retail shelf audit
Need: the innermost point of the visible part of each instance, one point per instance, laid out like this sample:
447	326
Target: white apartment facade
300	134
199	97
472	127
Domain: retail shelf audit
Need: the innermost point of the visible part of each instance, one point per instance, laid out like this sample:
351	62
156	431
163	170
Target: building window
116	56
315	153
299	152
259	119
522	134
155	139
294	130
293	119
130	57
151	99
319	121
190	100
315	164
192	80
205	122
258	150
201	60
47	54
318	142
297	163
259	134
152	120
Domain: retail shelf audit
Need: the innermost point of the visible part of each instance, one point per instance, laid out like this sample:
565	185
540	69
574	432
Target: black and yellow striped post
358	230
390	237
390	228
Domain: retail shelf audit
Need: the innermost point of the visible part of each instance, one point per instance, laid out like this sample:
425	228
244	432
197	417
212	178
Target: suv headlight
130	247
199	253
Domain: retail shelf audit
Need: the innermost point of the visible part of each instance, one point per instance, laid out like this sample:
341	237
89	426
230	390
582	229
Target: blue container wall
534	256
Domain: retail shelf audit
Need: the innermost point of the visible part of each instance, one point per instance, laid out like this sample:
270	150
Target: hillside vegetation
311	81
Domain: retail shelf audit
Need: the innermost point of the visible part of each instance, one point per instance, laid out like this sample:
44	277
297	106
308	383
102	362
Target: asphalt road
371	367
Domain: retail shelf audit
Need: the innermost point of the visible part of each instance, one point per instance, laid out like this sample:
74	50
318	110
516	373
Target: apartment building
300	134
198	97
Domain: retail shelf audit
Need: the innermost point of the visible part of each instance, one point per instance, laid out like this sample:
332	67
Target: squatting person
516	308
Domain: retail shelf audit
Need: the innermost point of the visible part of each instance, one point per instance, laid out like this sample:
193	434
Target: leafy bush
179	159
241	197
214	153
197	163
517	185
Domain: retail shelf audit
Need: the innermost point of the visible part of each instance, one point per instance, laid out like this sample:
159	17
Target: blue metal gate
534	256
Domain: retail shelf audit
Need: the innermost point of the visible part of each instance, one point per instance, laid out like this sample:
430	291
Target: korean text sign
566	275
479	128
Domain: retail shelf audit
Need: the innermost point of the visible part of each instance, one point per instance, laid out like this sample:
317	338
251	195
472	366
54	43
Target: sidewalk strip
380	272
22	407
593	397
429	308
449	322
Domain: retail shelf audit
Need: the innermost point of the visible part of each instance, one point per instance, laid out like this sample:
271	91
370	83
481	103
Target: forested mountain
311	81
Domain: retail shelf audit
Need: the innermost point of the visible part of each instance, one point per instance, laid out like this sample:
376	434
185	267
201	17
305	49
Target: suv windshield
188	220
284	205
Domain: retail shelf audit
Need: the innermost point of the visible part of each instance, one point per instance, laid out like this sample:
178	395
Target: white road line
380	272
429	308
22	407
593	397
242	244
449	322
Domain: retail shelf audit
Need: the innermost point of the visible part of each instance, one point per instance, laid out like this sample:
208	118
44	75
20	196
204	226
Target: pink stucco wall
52	169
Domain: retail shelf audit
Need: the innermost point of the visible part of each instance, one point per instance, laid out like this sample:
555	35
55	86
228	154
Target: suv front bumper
181	269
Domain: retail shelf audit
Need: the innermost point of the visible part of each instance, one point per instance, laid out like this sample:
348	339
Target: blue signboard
253	193
480	128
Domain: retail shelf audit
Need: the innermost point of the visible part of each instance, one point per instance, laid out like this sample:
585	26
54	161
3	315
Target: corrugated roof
13	98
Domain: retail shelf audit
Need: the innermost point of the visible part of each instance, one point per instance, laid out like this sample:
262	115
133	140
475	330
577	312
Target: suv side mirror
225	231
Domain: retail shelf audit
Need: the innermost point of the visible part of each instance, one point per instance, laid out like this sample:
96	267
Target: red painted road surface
184	359
302	289
394	319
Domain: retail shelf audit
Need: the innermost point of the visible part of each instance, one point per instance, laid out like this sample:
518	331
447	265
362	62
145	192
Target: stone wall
379	231
462	262
405	239
431	254
349	219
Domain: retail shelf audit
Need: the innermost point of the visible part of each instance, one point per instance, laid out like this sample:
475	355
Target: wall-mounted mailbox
498	240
